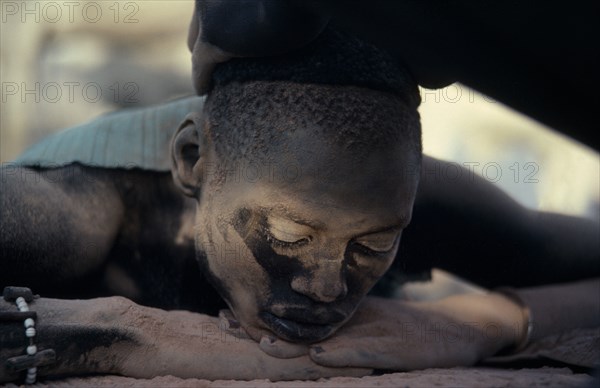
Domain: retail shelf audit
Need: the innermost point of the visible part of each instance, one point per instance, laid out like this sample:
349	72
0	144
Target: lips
293	330
312	315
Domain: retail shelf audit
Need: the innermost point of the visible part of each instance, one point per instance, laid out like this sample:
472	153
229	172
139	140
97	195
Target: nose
325	284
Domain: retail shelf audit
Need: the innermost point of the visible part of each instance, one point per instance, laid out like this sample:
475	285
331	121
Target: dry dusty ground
455	377
578	350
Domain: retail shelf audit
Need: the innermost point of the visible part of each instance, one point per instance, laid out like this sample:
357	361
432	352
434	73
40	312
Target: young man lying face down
291	187
330	174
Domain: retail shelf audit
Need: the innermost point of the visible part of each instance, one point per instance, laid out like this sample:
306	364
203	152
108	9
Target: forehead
340	146
338	126
364	179
312	183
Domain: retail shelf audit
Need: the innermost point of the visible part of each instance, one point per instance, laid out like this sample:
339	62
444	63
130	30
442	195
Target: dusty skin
306	252
116	336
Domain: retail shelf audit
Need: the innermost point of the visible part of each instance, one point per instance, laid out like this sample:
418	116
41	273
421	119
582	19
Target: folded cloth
130	138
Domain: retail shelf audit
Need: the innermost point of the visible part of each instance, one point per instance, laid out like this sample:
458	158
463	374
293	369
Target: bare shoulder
153	259
62	228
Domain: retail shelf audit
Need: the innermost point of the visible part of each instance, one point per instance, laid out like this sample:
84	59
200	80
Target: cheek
363	272
278	269
230	265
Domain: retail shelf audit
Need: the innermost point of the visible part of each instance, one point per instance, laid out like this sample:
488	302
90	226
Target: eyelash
291	245
366	250
283	244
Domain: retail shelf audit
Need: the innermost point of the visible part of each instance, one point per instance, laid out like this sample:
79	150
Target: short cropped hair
359	96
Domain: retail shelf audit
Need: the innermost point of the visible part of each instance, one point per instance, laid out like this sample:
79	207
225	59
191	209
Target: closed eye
286	233
286	236
378	243
285	240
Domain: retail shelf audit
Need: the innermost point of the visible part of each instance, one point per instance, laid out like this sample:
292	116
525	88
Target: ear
188	155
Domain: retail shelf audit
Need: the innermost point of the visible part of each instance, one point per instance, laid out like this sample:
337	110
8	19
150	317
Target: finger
317	372
381	353
303	368
365	352
228	323
204	59
282	349
226	317
339	359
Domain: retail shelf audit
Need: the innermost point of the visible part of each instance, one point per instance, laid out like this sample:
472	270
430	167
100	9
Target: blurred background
64	62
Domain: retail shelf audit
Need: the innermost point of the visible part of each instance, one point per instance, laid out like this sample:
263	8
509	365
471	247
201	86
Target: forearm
471	228
551	310
88	336
558	308
116	336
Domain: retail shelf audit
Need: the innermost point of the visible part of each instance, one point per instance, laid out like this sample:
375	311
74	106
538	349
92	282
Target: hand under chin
268	341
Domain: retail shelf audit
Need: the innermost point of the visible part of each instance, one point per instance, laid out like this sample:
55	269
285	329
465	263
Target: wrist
523	328
496	320
87	336
511	322
563	307
20	321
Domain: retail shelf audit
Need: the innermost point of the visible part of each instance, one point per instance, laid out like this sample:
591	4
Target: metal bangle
527	328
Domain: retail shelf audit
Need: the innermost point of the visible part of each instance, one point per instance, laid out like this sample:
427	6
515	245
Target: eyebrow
394	228
285	212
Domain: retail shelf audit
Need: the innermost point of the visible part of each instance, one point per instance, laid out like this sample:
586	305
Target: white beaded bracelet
29	324
33	358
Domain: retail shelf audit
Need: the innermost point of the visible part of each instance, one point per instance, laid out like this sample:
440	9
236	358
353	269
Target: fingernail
267	340
233	324
228	320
